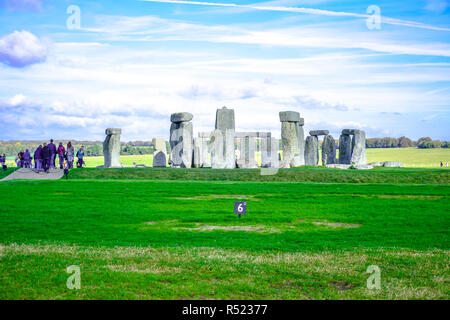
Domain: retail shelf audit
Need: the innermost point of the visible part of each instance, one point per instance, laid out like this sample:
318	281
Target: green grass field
410	157
309	233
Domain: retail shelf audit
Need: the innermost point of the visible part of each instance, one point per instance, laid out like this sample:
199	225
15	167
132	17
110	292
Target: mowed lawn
162	239
410	157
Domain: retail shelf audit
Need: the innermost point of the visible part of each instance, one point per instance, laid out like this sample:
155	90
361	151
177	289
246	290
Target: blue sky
133	63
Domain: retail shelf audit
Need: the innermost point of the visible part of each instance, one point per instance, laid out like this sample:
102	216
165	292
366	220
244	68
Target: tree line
404	142
92	148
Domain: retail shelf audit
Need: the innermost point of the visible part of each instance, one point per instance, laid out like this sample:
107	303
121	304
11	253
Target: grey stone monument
160	160
312	151
222	150
345	148
292	137
269	152
328	150
247	153
111	148
359	148
181	140
222	140
352	150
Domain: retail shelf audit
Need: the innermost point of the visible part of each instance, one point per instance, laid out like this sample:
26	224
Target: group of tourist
45	157
442	164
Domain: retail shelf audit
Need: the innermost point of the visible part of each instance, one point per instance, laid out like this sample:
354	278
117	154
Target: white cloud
22	48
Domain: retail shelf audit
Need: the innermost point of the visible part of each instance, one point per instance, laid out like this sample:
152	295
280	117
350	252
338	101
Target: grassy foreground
162	239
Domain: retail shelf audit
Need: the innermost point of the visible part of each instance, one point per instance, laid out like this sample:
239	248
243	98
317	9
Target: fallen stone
393	164
338	166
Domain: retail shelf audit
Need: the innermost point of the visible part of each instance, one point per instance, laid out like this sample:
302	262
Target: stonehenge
226	148
181	140
217	149
292	137
111	148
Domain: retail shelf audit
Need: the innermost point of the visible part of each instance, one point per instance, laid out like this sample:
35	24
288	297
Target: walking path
29	174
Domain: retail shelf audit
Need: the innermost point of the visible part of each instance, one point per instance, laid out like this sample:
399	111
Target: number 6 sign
240	207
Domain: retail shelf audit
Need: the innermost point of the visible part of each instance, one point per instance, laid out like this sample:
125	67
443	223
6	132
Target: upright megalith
225	119
328	150
359	148
111	147
222	149
352	150
292	137
222	140
269	152
160	154
312	151
159	160
181	140
345	148
247	153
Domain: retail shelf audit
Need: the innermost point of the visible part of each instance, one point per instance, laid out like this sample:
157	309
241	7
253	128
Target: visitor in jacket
52	148
38	158
46	155
61	150
70	155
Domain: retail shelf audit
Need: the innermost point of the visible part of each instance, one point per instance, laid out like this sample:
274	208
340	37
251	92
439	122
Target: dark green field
309	233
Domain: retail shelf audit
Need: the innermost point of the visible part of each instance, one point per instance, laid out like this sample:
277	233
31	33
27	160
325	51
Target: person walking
70	155
20	160
2	160
80	156
61	150
27	159
51	146
46	155
38	158
446	164
442	164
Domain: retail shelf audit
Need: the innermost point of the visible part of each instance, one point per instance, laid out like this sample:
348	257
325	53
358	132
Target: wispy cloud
387	20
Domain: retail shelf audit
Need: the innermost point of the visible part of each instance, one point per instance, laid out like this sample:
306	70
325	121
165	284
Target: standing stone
247	154
269	152
181	144
328	150
159	144
345	149
222	150
111	148
300	159
225	119
201	154
359	148
159	159
292	138
312	151
222	141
